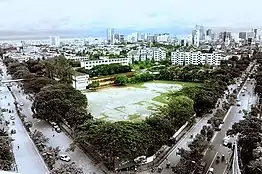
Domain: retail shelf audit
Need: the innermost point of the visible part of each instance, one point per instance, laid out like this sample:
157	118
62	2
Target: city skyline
125	15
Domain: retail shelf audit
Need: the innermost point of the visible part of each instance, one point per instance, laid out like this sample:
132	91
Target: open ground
132	102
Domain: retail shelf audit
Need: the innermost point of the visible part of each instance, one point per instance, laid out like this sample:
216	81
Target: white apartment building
144	54
77	58
81	81
195	58
104	61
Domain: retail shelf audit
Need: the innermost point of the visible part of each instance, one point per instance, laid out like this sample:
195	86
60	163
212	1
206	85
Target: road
60	139
27	158
233	116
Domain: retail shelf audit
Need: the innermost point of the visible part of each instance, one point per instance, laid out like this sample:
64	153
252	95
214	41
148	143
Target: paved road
27	157
232	117
60	139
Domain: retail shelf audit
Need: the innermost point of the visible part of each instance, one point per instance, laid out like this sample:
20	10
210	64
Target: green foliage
138	78
55	102
94	85
121	80
6	156
67	168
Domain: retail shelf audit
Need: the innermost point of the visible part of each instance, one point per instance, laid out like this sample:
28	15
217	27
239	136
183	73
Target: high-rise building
225	36
255	31
110	35
55	41
242	35
209	32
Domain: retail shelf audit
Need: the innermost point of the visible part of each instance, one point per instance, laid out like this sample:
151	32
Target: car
245	88
65	158
12	117
210	170
21	104
53	123
226	141
243	94
239	103
58	130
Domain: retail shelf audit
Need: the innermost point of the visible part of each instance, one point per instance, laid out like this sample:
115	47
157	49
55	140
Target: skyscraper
255	31
110	35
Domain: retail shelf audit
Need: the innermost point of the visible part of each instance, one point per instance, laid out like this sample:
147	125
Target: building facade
81	81
195	58
104	61
156	54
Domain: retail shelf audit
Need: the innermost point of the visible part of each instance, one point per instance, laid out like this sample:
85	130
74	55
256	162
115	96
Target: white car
21	104
65	158
239	103
12	117
245	88
226	141
210	171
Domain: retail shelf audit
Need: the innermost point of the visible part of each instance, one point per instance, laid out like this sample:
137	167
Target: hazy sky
142	14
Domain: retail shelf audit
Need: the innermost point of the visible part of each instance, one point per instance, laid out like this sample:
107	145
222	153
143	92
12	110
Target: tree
121	80
53	103
34	85
6	156
67	168
249	140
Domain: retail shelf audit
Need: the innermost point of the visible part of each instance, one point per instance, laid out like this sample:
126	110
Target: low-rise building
81	81
104	61
195	58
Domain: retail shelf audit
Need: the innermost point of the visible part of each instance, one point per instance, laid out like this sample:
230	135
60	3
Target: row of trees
6	155
249	131
205	98
104	70
54	99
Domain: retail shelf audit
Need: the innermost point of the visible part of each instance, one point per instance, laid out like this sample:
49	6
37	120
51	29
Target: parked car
65	158
21	104
58	130
12	117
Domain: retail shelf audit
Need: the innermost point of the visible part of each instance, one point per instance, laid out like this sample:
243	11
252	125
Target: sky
26	15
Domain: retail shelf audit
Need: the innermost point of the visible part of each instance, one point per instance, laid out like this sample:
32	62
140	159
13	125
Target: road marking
185	136
225	170
212	162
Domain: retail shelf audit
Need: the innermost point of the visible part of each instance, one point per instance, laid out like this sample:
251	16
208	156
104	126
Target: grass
103	117
162	98
136	85
184	84
151	108
140	103
119	108
134	117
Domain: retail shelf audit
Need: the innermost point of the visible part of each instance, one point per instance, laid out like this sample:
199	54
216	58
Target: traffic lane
173	157
233	117
60	140
26	151
220	166
218	138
